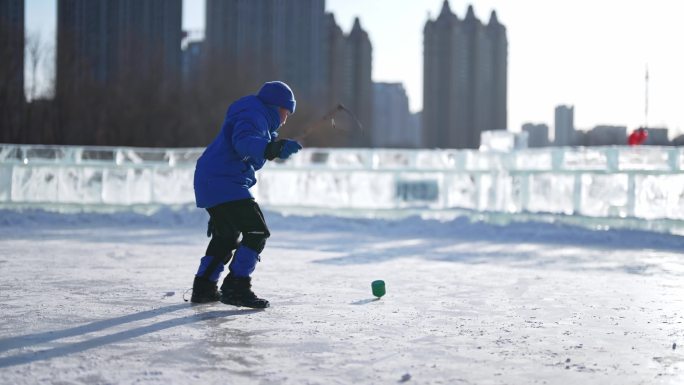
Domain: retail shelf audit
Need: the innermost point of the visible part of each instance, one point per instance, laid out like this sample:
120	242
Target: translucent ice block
172	185
440	159
551	193
5	182
81	185
659	196
462	192
127	186
537	159
604	195
643	158
35	184
585	158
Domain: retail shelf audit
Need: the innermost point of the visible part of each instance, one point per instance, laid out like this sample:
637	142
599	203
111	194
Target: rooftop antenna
646	100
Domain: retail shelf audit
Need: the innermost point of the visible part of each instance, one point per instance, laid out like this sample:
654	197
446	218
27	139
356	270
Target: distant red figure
637	137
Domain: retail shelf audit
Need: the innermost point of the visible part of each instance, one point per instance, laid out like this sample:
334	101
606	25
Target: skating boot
204	290
237	291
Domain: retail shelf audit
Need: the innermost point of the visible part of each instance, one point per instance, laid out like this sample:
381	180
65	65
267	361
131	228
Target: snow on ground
97	299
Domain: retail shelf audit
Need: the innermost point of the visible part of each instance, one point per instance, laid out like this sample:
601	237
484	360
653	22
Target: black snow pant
230	220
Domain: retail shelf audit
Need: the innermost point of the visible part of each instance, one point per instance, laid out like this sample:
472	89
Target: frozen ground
97	299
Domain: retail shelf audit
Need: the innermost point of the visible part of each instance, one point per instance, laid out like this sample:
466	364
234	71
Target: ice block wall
608	182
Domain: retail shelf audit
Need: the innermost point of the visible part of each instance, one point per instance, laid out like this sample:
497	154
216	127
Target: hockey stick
330	115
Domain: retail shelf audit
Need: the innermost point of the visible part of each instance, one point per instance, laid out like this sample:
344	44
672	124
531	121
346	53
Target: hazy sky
588	53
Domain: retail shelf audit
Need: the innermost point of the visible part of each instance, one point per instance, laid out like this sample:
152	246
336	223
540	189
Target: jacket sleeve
249	141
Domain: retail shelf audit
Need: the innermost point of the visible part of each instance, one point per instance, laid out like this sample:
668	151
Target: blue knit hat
279	94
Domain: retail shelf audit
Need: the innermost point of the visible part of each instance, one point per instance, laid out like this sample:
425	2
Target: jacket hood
252	103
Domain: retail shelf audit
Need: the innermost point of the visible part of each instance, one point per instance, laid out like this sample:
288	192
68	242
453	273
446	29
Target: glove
282	149
289	147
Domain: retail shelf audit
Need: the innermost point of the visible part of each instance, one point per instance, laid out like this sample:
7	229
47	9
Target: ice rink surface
98	299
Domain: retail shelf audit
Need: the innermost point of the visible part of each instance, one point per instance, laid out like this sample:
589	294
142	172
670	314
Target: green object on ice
378	288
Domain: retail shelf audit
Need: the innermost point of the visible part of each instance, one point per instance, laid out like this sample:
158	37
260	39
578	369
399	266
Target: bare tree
34	56
140	104
39	121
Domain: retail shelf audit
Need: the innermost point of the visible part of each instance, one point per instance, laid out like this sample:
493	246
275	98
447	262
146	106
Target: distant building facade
579	138
117	42
465	79
417	127
678	140
271	39
338	70
360	100
393	125
564	126
12	98
607	136
349	62
192	61
657	137
301	44
537	134
498	115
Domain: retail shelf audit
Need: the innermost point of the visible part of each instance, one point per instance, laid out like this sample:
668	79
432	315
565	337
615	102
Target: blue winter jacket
225	171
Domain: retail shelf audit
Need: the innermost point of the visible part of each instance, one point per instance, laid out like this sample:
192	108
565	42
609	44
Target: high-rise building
337	69
564	127
11	68
264	40
348	76
392	124
499	47
464	76
360	84
117	42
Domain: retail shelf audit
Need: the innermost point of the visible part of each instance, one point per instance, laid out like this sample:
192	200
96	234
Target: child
223	176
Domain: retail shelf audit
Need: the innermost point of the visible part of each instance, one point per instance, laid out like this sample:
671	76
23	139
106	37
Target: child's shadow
24	341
